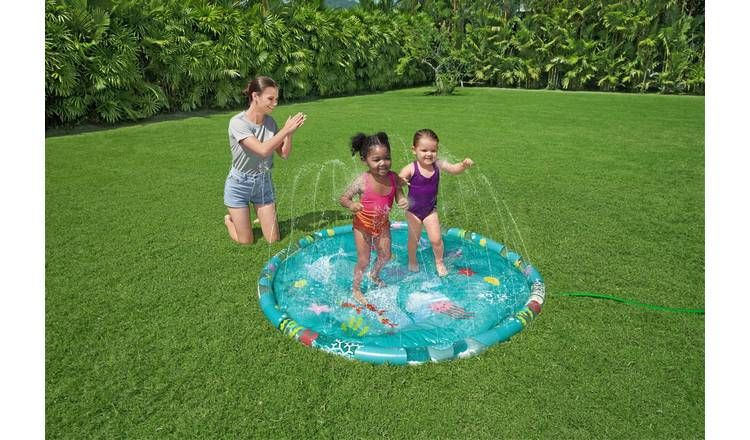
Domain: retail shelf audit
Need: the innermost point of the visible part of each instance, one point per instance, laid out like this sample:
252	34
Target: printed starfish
318	309
466	271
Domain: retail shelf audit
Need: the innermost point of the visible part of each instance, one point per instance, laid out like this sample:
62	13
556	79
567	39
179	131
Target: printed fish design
492	280
451	309
466	271
455	254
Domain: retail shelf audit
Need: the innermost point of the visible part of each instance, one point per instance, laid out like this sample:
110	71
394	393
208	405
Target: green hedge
138	58
143	57
639	45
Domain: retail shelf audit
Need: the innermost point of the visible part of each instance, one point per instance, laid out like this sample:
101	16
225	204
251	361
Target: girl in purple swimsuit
423	176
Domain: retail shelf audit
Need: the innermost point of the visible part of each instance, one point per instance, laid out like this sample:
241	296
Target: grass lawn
153	327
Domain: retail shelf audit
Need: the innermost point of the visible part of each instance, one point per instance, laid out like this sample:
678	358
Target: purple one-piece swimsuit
423	193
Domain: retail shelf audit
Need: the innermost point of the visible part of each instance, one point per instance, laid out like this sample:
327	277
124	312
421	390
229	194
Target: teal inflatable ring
489	295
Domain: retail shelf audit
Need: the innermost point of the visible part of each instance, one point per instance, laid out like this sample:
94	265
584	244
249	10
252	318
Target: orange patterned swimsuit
373	219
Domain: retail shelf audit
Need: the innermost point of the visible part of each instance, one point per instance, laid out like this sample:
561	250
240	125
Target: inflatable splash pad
489	295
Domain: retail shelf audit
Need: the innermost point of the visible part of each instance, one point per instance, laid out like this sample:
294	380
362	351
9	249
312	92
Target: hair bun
383	138
358	141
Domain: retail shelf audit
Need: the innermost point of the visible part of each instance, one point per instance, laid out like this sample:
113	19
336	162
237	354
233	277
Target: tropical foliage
113	60
639	45
141	57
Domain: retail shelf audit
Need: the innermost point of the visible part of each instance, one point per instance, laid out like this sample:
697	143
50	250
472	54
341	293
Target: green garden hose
631	302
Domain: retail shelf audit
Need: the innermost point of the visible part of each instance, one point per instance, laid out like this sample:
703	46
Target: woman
253	138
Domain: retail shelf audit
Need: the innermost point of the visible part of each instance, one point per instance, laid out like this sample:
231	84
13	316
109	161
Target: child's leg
238	225
384	255
432	225
362	241
415	230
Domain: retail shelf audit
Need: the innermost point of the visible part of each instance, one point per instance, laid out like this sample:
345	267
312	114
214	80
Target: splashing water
493	193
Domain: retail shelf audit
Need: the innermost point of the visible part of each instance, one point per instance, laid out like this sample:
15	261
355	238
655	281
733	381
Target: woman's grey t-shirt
244	160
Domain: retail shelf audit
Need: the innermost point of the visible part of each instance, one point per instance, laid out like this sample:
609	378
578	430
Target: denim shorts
241	189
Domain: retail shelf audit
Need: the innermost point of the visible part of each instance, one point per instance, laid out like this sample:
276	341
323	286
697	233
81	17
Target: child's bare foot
413	267
377	280
359	297
441	269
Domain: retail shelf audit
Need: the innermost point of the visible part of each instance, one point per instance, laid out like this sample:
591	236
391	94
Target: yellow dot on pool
300	283
492	280
483	242
330	232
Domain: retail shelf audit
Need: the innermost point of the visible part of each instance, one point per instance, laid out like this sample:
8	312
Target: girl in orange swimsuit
377	189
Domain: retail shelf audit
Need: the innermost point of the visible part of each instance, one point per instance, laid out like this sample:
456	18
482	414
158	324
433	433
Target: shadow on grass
309	222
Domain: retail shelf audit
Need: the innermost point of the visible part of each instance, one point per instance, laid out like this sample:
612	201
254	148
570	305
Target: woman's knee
244	239
245	236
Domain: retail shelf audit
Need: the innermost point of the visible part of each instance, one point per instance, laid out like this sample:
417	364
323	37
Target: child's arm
405	175
401	200
355	188
455	168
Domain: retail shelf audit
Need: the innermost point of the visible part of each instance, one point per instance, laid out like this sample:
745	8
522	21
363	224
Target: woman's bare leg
238	225
267	216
